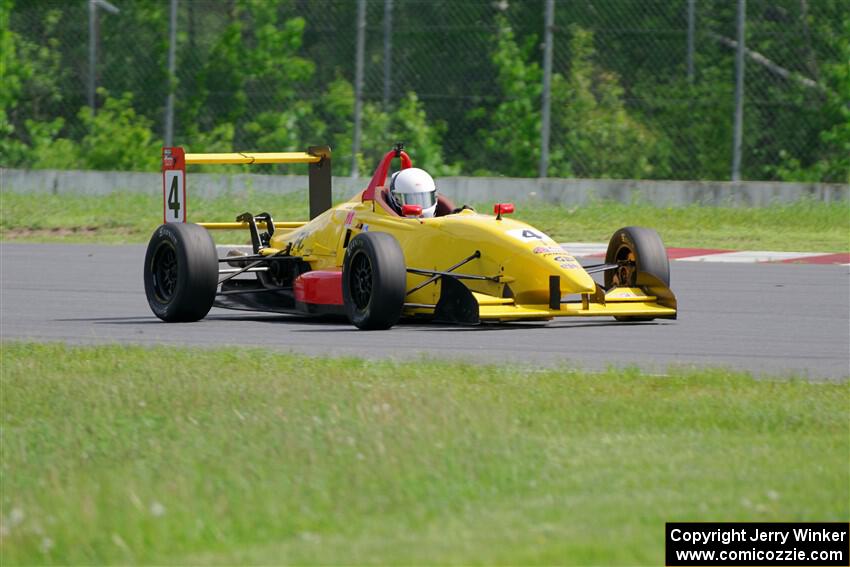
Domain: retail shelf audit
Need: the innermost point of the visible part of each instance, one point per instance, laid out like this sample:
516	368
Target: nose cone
573	277
537	256
526	256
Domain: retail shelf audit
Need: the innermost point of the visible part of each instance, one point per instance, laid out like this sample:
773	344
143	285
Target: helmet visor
425	200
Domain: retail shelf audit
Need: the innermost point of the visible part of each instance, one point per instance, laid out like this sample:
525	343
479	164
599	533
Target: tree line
466	85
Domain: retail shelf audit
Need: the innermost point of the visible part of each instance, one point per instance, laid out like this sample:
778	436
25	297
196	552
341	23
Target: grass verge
130	217
119	454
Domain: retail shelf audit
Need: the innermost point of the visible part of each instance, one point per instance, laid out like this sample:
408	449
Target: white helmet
413	186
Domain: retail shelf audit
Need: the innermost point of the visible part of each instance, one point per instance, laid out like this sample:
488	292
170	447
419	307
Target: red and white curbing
597	250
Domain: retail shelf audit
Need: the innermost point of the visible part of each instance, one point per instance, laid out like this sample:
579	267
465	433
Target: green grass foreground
131	218
120	454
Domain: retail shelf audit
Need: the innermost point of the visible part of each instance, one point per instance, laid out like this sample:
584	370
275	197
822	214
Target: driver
413	186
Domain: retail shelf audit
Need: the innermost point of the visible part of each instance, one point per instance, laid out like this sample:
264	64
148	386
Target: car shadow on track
532	326
332	324
109	320
485	327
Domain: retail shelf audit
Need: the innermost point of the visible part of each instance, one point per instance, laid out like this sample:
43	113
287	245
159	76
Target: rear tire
181	272
642	261
374	281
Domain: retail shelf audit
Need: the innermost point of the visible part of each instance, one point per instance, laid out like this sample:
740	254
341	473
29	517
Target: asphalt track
774	319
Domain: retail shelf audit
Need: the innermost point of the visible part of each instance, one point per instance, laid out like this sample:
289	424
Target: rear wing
175	160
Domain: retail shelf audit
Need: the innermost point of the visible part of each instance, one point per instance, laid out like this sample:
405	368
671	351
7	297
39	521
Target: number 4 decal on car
528	235
173	199
174	192
173	185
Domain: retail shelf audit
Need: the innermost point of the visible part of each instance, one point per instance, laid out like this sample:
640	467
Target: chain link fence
639	88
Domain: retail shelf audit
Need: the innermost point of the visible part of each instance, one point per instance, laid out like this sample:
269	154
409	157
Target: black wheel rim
626	273
361	281
164	272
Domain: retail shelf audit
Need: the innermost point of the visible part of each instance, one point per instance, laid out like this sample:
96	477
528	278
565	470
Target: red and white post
173	185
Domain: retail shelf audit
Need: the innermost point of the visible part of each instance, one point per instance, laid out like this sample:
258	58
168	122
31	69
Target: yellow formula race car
376	260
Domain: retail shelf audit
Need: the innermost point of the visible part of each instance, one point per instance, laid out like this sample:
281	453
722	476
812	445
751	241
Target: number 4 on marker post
173	185
173	199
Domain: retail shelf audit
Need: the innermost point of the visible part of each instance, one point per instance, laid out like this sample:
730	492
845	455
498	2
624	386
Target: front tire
181	272
374	281
641	259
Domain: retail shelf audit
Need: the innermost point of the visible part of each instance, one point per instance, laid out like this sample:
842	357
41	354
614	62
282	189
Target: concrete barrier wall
567	192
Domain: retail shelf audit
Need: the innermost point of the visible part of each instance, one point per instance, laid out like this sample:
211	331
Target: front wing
459	305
